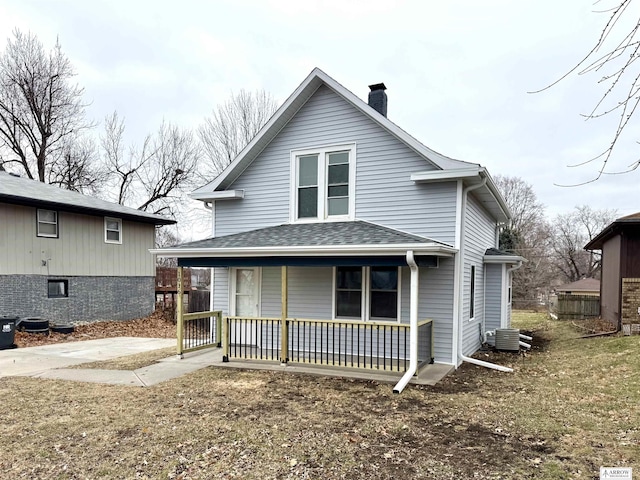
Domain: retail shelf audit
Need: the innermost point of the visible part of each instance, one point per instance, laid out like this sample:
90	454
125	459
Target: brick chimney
378	98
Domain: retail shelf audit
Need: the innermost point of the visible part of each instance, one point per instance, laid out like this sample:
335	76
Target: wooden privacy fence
576	307
336	343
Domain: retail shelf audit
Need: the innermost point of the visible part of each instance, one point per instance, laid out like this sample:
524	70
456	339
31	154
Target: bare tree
155	176
39	106
232	125
527	235
167	236
613	59
572	231
76	166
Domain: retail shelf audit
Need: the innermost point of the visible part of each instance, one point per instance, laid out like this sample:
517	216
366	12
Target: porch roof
343	243
493	255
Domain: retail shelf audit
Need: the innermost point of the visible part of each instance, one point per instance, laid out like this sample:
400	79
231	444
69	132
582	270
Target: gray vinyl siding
435	302
383	170
479	234
79	250
310	292
271	288
493	297
220	285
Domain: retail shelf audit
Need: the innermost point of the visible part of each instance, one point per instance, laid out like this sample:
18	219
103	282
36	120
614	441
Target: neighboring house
65	256
584	286
620	278
371	225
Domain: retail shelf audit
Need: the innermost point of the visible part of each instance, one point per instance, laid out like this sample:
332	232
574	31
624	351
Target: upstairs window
323	184
112	230
47	223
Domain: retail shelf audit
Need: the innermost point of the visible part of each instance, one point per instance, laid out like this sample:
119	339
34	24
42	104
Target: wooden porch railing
199	330
340	343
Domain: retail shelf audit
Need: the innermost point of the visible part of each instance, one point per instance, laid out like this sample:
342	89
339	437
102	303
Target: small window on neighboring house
57	288
47	223
472	295
112	230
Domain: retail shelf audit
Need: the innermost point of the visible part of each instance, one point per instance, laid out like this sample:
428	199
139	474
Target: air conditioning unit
508	339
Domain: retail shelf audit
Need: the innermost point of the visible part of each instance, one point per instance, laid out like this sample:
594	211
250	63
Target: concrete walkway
50	361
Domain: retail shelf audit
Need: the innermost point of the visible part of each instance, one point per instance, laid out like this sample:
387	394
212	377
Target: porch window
47	223
373	287
349	292
323	183
384	292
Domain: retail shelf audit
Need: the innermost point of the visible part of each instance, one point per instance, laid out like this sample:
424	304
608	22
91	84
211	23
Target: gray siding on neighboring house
383	185
89	298
493	297
479	235
79	250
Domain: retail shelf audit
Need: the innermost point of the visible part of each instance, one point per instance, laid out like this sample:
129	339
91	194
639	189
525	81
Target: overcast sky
457	72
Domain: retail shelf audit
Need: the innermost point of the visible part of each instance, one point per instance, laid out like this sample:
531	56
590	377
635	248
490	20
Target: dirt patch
592	326
157	325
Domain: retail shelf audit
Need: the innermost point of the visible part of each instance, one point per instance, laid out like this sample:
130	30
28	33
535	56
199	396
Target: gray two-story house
65	256
350	231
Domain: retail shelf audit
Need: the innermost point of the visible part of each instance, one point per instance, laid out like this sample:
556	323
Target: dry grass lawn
571	406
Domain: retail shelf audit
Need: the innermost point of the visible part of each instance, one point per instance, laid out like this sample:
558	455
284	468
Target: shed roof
24	191
628	221
582	285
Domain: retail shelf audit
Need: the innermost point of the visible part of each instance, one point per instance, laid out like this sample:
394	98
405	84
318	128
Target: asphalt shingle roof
313	234
24	191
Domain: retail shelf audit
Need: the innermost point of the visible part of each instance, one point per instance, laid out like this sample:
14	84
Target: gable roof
24	191
286	112
628	221
582	285
355	237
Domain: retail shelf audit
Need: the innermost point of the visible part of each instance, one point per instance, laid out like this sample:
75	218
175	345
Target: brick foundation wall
631	305
90	298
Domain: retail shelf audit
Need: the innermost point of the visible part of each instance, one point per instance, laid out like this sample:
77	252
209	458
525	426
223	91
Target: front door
245	293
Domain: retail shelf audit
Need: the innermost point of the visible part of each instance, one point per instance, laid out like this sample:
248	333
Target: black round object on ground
62	328
34	323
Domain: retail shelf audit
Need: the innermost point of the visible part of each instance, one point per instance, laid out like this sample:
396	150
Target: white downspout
461	357
413	325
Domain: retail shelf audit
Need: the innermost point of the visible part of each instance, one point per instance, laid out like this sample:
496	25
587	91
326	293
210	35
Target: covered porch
360	321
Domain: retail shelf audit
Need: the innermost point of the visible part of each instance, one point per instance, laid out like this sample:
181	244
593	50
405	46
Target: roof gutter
305	250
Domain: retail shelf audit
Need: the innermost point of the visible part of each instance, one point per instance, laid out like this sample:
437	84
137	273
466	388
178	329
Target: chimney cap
377	86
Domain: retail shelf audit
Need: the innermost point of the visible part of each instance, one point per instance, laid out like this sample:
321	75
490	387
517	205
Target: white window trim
232	290
473	284
322	183
365	305
56	223
113	219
